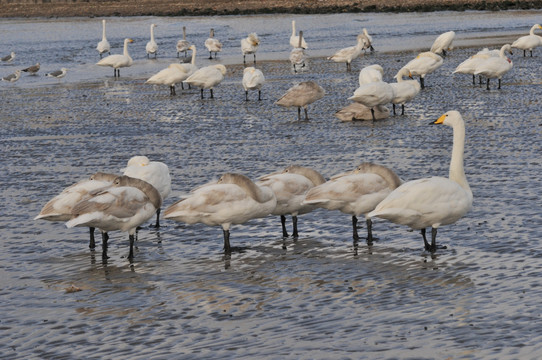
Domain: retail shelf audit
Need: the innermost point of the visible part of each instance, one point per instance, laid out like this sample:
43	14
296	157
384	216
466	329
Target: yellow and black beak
440	120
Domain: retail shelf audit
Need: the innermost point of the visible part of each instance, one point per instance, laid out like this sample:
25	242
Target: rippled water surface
317	297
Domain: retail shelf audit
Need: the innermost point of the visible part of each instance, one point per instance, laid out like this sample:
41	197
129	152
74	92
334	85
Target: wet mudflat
320	296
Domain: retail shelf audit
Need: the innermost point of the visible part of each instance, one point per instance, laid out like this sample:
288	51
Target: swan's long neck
126	48
184	32
457	171
103	30
152	32
193	62
501	53
293	28
533	29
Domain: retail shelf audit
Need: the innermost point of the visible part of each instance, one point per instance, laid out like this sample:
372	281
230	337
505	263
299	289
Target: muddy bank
92	8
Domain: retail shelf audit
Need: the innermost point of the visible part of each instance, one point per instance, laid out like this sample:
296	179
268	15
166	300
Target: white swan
152	46
118	61
183	45
290	186
297	55
425	63
123	206
355	193
372	94
433	201
347	55
404	90
249	45
294	39
103	46
155	173
233	199
368	40
9	58
174	73
469	66
371	73
12	77
253	79
530	41
32	69
496	66
207	77
212	44
57	73
60	207
443	43
301	96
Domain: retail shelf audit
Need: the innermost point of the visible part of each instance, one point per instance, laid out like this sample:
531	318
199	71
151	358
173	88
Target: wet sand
94	8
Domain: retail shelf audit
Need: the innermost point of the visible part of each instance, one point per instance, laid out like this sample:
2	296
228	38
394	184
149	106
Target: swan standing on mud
174	73
404	90
118	61
253	79
249	45
152	46
443	43
207	77
496	66
530	41
212	44
301	96
433	201
347	55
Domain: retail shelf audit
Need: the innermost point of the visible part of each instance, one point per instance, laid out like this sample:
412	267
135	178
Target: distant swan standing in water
152	46
118	61
295	40
207	77
253	79
103	46
249	45
212	44
530	41
301	96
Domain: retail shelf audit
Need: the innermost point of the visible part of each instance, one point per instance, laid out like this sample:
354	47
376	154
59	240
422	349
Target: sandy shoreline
92	8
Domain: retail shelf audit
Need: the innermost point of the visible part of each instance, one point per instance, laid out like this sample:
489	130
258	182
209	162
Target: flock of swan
123	202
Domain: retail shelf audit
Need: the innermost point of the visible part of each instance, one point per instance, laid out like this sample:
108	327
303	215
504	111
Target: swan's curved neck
103	31
501	53
126	48
457	171
532	30
193	62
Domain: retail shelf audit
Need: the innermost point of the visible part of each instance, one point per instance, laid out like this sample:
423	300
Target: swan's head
253	39
153	26
126	41
450	118
222	68
192	47
507	48
138	160
403	72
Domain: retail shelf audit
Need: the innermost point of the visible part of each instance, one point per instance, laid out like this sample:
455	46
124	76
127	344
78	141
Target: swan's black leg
92	243
295	235
131	254
246	95
393	105
422	82
425	243
355	228
283	222
369	231
227	248
402	109
433	239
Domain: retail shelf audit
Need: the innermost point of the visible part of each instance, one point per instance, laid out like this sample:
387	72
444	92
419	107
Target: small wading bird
32	70
12	77
9	58
233	199
355	193
301	96
57	73
433	201
290	186
118	61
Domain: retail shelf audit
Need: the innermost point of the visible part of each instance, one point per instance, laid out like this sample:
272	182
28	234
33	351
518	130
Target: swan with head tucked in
443	43
435	201
425	63
155	173
253	79
469	66
347	55
372	94
290	186
207	77
295	40
355	193
103	46
212	44
152	46
124	206
301	96
404	90
60	207
249	45
118	61
530	41
496	66
183	45
174	73
233	199
371	73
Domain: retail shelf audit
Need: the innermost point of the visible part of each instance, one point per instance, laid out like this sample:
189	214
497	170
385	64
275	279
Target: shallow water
321	297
